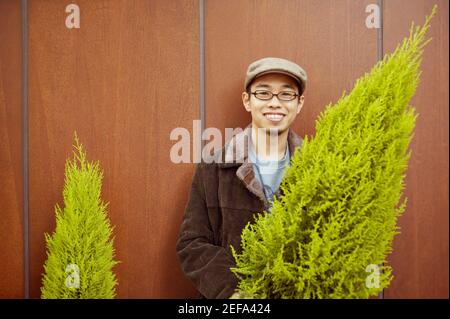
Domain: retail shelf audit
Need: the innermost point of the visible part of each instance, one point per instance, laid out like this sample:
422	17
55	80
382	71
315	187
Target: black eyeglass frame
295	95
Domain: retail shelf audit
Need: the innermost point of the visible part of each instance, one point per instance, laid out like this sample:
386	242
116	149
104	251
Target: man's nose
274	101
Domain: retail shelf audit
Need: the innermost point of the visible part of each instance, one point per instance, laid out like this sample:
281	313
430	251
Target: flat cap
276	65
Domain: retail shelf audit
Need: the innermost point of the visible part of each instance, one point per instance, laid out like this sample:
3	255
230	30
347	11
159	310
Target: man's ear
246	101
301	101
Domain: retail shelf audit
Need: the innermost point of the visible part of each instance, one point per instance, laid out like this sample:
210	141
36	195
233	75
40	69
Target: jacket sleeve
204	263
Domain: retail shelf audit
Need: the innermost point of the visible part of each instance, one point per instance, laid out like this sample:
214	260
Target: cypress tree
80	251
329	234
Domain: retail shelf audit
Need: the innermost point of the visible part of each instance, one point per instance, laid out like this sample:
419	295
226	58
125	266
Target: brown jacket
224	197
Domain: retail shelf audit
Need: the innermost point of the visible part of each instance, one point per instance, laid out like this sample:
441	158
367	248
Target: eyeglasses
268	95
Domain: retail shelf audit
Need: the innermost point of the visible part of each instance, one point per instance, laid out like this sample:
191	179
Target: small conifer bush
80	251
329	234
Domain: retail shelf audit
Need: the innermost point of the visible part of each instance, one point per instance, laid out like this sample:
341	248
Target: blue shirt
269	172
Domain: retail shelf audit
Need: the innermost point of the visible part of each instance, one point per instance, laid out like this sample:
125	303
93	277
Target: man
242	179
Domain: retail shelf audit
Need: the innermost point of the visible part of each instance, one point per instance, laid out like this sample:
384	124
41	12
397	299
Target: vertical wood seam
25	212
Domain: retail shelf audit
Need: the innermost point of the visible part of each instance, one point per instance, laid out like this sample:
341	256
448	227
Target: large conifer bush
80	251
334	226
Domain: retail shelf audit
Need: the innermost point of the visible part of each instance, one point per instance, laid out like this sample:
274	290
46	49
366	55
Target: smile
274	117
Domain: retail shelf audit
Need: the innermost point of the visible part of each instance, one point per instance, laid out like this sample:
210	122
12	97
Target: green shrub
80	251
334	225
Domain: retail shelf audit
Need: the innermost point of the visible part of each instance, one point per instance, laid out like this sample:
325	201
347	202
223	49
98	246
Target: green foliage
339	211
80	251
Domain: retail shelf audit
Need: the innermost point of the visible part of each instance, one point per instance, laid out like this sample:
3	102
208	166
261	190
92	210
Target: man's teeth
274	117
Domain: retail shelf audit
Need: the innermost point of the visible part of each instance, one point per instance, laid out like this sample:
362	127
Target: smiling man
242	179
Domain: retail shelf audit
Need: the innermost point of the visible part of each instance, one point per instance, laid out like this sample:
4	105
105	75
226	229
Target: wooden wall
420	256
123	81
11	192
131	74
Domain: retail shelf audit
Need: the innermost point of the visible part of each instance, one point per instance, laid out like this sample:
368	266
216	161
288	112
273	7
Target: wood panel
123	81
329	39
11	193
420	257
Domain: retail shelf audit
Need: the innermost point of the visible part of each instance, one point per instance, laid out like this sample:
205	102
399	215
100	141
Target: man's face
273	113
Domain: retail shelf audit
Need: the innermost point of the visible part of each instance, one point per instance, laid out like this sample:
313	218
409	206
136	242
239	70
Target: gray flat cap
275	65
